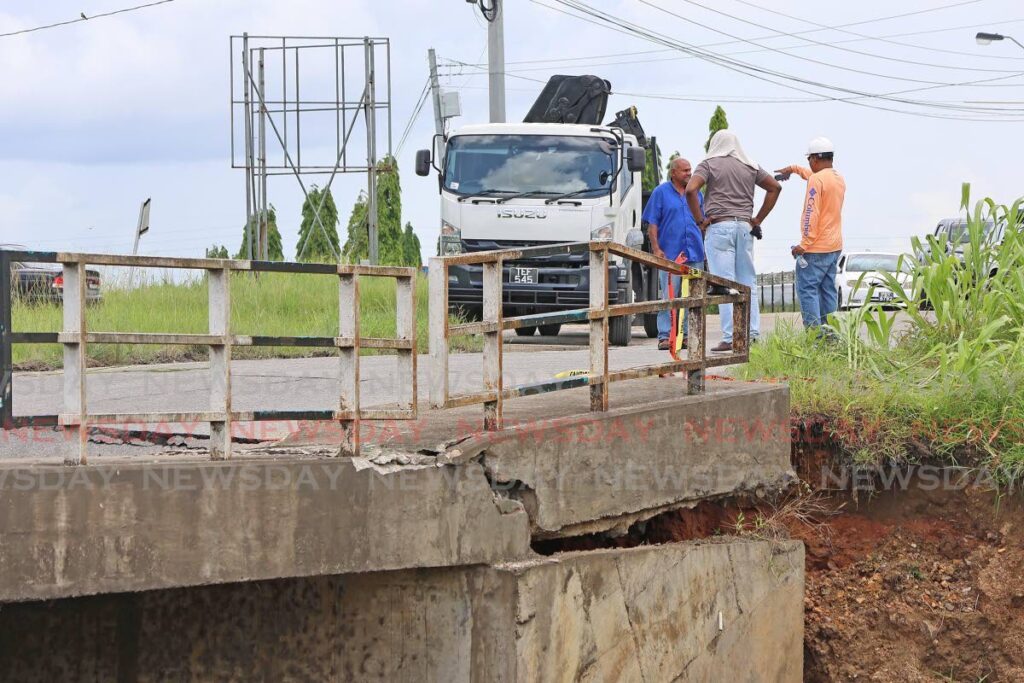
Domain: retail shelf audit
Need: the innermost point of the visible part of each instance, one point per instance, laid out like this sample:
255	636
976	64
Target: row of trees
318	240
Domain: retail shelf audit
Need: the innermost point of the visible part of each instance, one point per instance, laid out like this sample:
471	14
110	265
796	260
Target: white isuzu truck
511	185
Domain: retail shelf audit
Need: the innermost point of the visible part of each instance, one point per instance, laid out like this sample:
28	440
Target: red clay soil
917	586
905	586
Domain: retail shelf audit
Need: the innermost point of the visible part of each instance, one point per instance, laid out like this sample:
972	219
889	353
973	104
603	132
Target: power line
736	99
554	65
769	75
811	60
412	117
881	39
85	18
795	34
819	43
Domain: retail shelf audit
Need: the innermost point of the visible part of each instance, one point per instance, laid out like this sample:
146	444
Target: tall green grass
948	382
276	304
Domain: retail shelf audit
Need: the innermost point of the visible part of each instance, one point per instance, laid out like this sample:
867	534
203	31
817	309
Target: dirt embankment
917	585
921	582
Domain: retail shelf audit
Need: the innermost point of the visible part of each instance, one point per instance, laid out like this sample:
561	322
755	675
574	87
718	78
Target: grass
276	304
949	386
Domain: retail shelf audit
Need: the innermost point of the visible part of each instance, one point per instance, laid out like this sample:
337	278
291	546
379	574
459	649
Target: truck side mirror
636	158
423	162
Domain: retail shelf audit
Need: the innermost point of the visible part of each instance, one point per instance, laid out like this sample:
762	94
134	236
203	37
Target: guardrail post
348	358
492	344
437	280
405	363
74	363
6	352
697	342
219	297
599	327
741	324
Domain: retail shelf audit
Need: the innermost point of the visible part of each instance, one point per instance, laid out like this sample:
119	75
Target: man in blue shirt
673	231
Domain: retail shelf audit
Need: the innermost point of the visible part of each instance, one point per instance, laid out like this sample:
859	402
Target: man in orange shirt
821	233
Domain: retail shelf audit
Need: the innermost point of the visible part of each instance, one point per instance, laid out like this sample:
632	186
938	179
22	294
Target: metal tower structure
309	95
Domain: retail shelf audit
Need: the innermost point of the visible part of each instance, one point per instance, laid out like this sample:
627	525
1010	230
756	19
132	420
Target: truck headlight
451	240
603	233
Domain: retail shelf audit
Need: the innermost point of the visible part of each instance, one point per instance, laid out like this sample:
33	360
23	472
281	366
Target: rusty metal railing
493	324
76	337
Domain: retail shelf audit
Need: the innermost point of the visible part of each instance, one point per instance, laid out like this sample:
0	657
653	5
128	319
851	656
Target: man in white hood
728	177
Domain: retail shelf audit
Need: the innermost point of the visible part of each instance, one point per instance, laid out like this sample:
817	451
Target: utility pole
435	92
496	60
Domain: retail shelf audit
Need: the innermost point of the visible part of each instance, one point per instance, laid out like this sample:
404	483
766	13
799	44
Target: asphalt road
301	384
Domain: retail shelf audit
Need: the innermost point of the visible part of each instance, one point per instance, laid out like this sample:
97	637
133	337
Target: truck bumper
557	289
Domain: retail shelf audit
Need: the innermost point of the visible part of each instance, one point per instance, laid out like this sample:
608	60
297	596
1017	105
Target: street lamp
987	38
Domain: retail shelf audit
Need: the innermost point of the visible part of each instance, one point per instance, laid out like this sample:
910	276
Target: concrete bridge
403	547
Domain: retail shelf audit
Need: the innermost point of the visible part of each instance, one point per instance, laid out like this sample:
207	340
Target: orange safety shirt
821	223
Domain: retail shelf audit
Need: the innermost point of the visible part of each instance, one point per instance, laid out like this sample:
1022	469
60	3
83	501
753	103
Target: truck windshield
958	233
535	164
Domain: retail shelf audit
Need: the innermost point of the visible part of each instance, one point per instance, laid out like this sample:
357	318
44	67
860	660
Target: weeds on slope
949	383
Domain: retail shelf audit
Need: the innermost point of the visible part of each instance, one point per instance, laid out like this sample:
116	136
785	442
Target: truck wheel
550	330
651	325
525	331
620	328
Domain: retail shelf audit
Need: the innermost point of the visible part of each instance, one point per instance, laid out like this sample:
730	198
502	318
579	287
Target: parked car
957	237
44	282
864	268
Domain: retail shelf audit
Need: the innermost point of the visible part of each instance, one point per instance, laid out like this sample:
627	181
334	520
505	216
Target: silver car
858	271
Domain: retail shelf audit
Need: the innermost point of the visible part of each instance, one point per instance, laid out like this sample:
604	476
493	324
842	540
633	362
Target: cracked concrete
645	614
139	526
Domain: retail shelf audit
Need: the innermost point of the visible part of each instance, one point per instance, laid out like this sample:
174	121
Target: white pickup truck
510	185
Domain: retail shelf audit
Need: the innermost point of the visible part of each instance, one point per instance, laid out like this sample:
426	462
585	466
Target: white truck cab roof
534	129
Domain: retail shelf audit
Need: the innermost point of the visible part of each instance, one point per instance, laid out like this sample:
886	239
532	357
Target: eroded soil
909	585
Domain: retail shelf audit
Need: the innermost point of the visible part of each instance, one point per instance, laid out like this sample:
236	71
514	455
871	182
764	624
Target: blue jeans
816	287
665	317
730	249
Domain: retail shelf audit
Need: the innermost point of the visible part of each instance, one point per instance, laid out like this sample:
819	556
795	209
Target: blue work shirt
677	231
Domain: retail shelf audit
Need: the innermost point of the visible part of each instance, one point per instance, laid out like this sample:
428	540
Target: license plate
523	276
884	296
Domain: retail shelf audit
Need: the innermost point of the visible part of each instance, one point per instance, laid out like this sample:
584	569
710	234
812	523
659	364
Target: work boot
663	345
722	347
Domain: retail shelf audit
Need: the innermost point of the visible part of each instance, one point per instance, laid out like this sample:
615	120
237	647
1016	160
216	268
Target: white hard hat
820	146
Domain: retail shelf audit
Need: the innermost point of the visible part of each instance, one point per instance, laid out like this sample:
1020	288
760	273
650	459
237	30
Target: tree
217	251
389	213
274	248
411	248
318	243
396	247
357	245
718	122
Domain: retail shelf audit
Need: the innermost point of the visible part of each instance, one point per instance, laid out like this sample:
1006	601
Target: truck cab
509	185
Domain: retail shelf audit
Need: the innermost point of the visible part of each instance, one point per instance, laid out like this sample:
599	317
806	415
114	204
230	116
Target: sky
101	114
